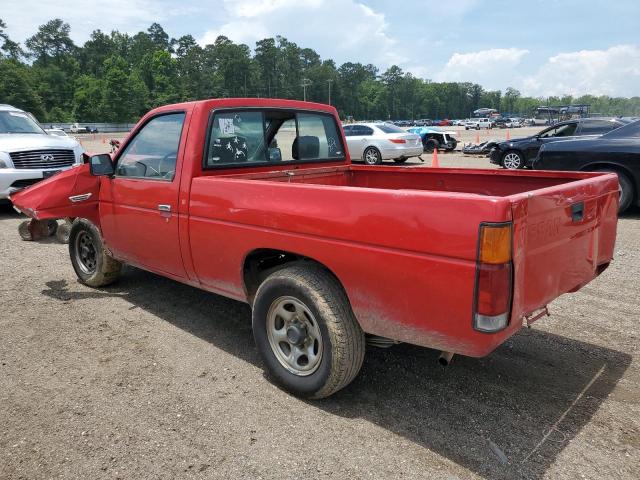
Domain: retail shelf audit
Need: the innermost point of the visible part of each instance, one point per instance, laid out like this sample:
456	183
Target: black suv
520	152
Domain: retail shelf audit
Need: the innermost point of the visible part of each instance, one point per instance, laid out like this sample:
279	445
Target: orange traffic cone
477	138
434	161
508	135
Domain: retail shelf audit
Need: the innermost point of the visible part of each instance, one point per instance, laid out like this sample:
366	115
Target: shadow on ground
505	416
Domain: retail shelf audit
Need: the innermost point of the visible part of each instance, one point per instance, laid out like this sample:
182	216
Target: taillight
397	140
494	278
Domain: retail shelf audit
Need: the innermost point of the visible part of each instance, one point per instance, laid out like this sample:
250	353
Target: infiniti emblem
46	157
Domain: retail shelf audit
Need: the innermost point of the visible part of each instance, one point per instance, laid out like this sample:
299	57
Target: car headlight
4	163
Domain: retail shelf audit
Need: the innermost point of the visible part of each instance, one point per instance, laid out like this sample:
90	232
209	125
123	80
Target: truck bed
416	226
498	183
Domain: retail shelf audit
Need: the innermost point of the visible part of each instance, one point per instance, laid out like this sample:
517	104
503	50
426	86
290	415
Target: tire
52	227
62	233
627	192
431	144
24	231
454	145
307	294
400	160
91	262
513	160
372	156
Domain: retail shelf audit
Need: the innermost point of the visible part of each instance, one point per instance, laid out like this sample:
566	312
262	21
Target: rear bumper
402	151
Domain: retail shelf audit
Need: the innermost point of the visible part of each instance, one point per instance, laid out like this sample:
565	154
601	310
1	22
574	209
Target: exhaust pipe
445	358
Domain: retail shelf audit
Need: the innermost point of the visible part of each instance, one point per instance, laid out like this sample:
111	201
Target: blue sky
541	47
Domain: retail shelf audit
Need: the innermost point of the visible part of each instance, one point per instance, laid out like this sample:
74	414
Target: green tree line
117	77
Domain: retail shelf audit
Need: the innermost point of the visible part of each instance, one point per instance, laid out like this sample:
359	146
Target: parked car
375	142
500	122
77	128
478	123
425	122
326	252
443	123
28	154
617	151
520	152
433	138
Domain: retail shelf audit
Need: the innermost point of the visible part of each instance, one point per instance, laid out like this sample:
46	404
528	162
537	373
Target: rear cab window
254	137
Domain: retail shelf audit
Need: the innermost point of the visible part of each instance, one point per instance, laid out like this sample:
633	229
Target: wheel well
263	262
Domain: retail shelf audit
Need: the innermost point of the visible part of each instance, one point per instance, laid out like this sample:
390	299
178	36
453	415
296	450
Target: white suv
478	123
28	154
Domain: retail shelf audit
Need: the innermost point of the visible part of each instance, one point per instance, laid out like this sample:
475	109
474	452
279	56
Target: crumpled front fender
72	193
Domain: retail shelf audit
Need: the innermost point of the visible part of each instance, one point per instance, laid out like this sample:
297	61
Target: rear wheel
431	144
372	156
305	331
92	263
513	160
627	192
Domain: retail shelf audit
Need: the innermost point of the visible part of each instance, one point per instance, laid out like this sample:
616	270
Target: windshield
18	122
631	130
387	128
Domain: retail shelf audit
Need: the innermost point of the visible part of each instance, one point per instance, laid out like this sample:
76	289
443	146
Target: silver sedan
375	142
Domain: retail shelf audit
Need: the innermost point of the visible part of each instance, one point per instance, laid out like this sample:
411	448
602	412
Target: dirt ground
149	378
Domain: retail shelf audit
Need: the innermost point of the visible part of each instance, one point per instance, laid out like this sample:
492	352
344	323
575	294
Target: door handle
164	208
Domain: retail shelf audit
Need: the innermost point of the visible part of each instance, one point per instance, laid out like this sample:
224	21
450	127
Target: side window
236	137
317	138
366	131
348	130
154	150
594	128
566	130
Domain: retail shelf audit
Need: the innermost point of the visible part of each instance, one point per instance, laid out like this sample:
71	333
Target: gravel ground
149	378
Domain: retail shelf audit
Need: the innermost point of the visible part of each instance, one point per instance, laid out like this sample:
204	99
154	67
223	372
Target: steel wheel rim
86	255
511	160
294	336
371	157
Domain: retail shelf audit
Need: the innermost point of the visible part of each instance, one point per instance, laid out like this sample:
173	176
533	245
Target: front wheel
92	263
372	156
513	160
305	331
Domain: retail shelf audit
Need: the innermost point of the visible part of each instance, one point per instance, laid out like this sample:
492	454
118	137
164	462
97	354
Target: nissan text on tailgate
257	200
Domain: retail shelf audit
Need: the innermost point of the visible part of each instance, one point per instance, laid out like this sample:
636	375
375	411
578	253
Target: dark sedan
617	151
520	152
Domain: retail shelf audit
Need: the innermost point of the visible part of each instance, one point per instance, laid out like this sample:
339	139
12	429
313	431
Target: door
358	140
140	222
551	134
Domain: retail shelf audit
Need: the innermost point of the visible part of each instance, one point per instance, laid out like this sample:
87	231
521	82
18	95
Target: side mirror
101	165
275	155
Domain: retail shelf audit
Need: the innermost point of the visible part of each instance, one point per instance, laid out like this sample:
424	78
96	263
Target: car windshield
18	122
387	128
631	130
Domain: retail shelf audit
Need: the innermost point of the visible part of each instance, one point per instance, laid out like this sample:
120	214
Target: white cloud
489	68
344	30
615	72
23	17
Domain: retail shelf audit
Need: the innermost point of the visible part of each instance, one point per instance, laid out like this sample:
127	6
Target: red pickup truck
257	200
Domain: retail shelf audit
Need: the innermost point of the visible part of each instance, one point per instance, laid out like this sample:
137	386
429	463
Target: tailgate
563	238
